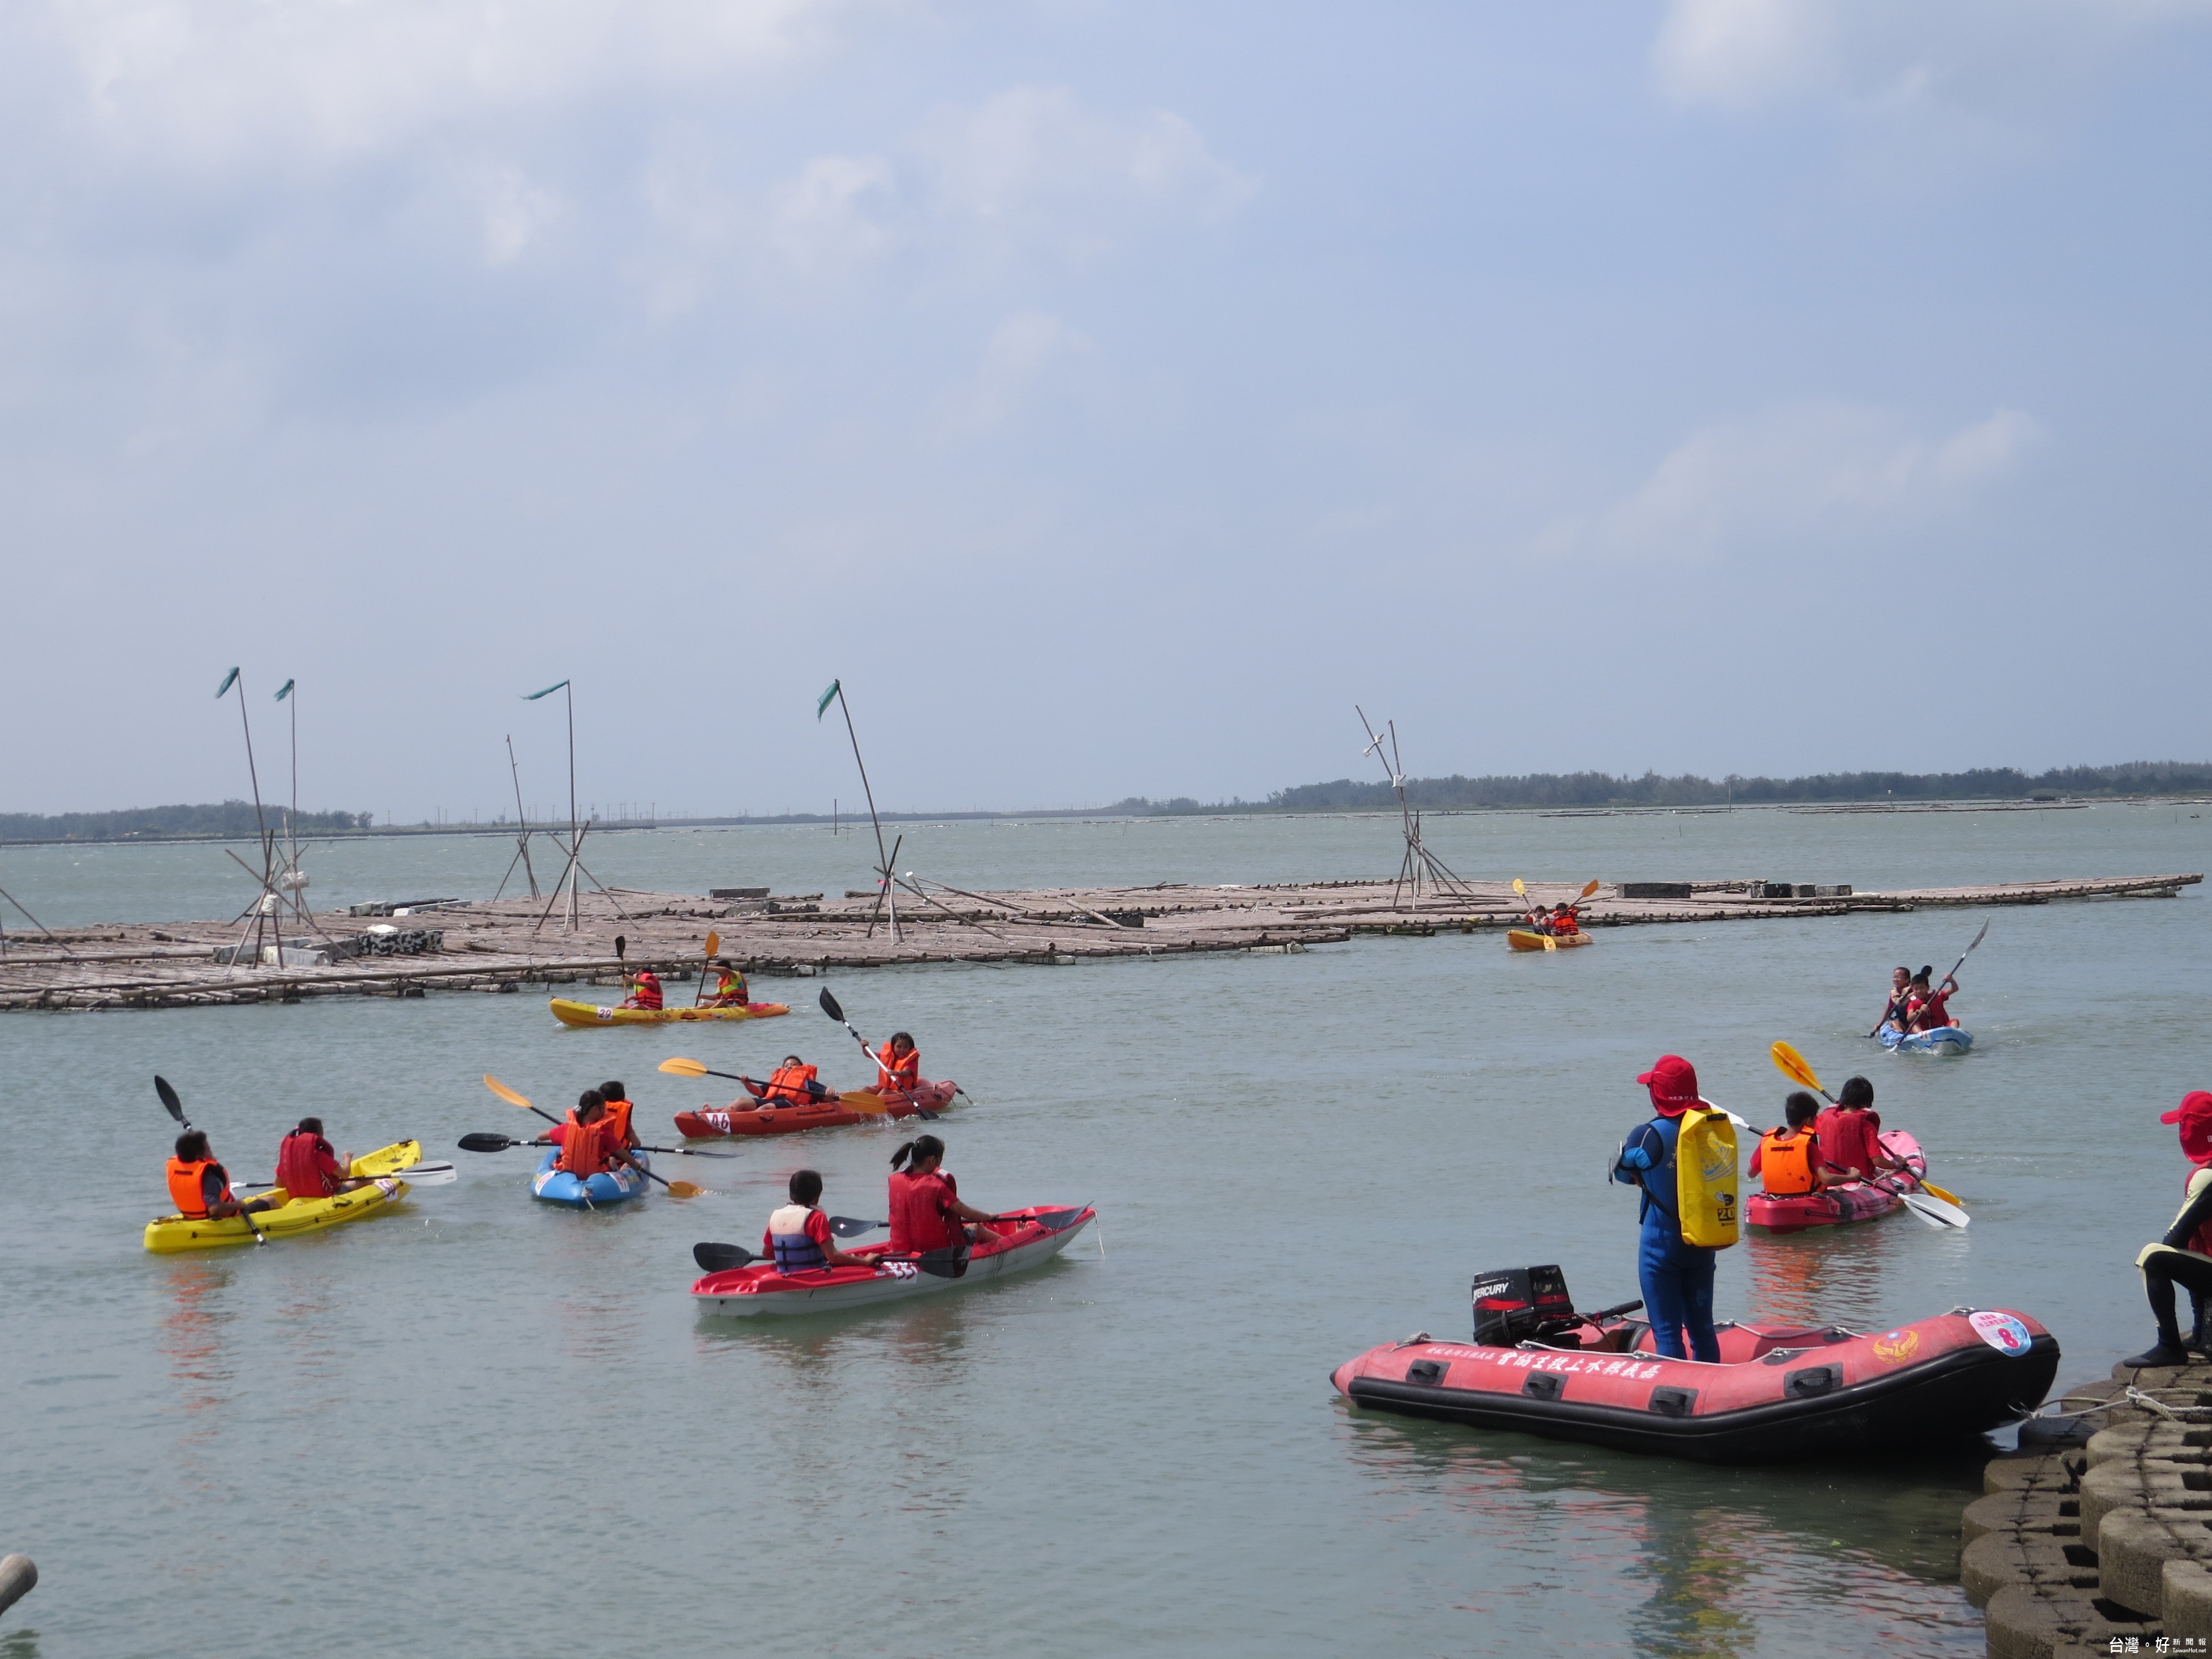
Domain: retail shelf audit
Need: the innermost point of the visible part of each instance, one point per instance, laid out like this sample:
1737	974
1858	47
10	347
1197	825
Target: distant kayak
1855	1200
1519	939
762	1117
583	1013
300	1215
1943	1040
594	1192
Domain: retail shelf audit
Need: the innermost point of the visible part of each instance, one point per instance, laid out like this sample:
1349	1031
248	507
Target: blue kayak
608	1187
1943	1040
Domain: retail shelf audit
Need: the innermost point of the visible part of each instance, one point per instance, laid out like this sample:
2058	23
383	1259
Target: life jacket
730	987
647	992
900	1074
583	1149
1785	1161
300	1169
615	1124
1566	924
185	1187
796	1250
789	1085
1848	1143
1933	1012
918	1204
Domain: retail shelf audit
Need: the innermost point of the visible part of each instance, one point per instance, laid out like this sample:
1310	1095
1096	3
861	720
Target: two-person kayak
1942	1040
609	1186
1519	939
169	1234
1025	1238
1853	1201
776	1117
584	1013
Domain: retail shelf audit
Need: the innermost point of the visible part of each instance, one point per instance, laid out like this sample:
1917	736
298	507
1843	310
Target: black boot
2168	1350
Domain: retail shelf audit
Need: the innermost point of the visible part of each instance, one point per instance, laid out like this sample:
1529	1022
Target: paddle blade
721	1258
864	1100
486	1143
1589	887
622	947
506	1093
950	1262
1520	887
1058	1221
713	944
1928	1211
1933	1191
850	1226
680	1067
1791	1065
169	1097
685	1189
1551	944
829	1007
428	1175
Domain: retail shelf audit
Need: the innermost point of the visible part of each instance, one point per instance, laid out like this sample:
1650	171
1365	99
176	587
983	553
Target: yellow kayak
583	1013
1519	939
172	1233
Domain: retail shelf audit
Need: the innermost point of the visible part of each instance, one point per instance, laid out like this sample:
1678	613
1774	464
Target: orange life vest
1785	1161
583	1150
1564	923
615	1124
730	989
645	994
789	1083
903	1073
184	1187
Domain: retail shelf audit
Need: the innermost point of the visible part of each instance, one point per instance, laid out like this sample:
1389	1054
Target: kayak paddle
177	1111
491	1143
419	1174
866	1101
676	1189
829	1008
713	949
1932	1203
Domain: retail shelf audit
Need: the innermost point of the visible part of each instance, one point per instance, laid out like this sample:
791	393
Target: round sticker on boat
2002	1332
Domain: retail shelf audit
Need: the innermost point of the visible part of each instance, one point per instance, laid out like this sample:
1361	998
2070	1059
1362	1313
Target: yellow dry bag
1704	1180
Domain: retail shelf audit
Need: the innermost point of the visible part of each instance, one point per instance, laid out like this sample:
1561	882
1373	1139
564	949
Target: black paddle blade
925	1115
829	1007
169	1097
1058	1221
950	1262
851	1226
485	1143
721	1258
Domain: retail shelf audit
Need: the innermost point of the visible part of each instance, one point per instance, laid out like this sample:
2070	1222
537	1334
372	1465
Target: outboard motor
1514	1304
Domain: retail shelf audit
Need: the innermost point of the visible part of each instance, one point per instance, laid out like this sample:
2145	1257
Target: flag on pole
287	691
227	681
820	708
547	692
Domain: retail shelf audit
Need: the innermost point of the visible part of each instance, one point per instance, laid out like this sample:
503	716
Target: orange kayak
758	1117
1519	939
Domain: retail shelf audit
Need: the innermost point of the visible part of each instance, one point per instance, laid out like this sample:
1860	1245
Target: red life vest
919	1212
1848	1138
187	1189
647	992
307	1167
583	1149
1785	1161
904	1074
789	1085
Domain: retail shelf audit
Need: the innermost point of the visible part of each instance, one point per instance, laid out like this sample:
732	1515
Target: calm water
417	1431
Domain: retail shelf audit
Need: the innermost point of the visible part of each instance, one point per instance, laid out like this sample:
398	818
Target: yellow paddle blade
683	1068
1520	887
685	1189
1791	1065
1551	944
864	1100
1589	887
505	1093
1933	1191
713	944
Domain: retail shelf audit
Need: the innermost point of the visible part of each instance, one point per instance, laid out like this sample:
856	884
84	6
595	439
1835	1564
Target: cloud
825	219
1022	351
1803	475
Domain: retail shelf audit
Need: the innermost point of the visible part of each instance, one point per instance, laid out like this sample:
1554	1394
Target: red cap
2194	1114
1673	1085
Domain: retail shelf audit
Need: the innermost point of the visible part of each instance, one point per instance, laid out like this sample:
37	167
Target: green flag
228	680
547	692
287	691
821	707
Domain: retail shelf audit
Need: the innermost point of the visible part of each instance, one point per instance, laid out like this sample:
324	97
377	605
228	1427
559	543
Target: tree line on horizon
1599	789
228	819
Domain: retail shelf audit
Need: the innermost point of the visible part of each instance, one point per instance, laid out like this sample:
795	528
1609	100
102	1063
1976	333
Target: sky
1111	396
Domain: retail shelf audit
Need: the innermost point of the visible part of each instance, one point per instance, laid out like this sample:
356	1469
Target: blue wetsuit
1676	1278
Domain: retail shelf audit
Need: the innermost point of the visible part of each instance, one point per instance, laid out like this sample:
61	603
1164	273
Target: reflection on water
191	1343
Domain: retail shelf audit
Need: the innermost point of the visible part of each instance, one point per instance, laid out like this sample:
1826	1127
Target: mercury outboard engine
1515	1304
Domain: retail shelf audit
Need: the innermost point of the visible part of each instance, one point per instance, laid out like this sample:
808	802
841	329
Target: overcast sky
1111	394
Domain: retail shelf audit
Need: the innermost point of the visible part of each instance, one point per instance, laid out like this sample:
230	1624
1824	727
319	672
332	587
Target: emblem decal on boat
1898	1347
2002	1332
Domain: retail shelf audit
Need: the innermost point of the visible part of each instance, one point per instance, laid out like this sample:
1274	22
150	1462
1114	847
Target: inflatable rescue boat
1780	1391
1854	1201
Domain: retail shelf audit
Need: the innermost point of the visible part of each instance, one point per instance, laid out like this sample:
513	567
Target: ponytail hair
919	1150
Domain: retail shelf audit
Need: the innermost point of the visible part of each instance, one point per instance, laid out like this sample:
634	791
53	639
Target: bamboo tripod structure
1419	864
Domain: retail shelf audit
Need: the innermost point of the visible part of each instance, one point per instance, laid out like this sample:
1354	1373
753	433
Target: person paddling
1789	1158
586	1146
730	989
799	1236
898	1066
619	1106
1563	922
308	1168
1851	1135
200	1187
793	1083
1893	1012
924	1202
2183	1255
1934	1013
644	990
1676	1278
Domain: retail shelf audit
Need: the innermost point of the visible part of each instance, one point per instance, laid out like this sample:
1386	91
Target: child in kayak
793	1083
927	1213
308	1168
1850	1135
798	1235
619	1106
730	989
1893	1012
1789	1158
200	1187
2183	1255
898	1066
1932	1014
587	1144
644	990
1563	922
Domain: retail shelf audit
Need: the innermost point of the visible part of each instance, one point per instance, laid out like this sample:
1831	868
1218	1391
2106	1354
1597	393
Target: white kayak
1023	1243
1943	1040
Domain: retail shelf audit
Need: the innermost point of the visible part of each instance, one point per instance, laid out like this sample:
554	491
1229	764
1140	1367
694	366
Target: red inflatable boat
760	1117
1855	1200
1780	1391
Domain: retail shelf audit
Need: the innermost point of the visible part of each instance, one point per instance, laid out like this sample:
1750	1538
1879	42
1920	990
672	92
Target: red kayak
759	1117
1780	1391
1855	1200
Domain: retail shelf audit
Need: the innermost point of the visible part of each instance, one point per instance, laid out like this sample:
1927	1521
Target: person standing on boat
1893	1012
619	1108
1676	1278
1851	1135
898	1066
2184	1256
644	990
730	989
200	1187
308	1168
798	1235
927	1213
1789	1159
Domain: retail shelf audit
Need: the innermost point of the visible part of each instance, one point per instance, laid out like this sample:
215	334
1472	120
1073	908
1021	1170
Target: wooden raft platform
500	947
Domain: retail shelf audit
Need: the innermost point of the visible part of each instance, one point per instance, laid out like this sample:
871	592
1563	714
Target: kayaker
925	1208
2184	1256
617	1102
1934	1013
308	1168
586	1147
1563	922
1849	1134
792	1084
798	1235
1677	1278
1892	1013
1789	1158
730	989
898	1066
200	1187
644	990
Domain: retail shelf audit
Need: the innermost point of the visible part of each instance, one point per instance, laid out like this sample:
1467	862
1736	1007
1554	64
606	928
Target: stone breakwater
476	945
